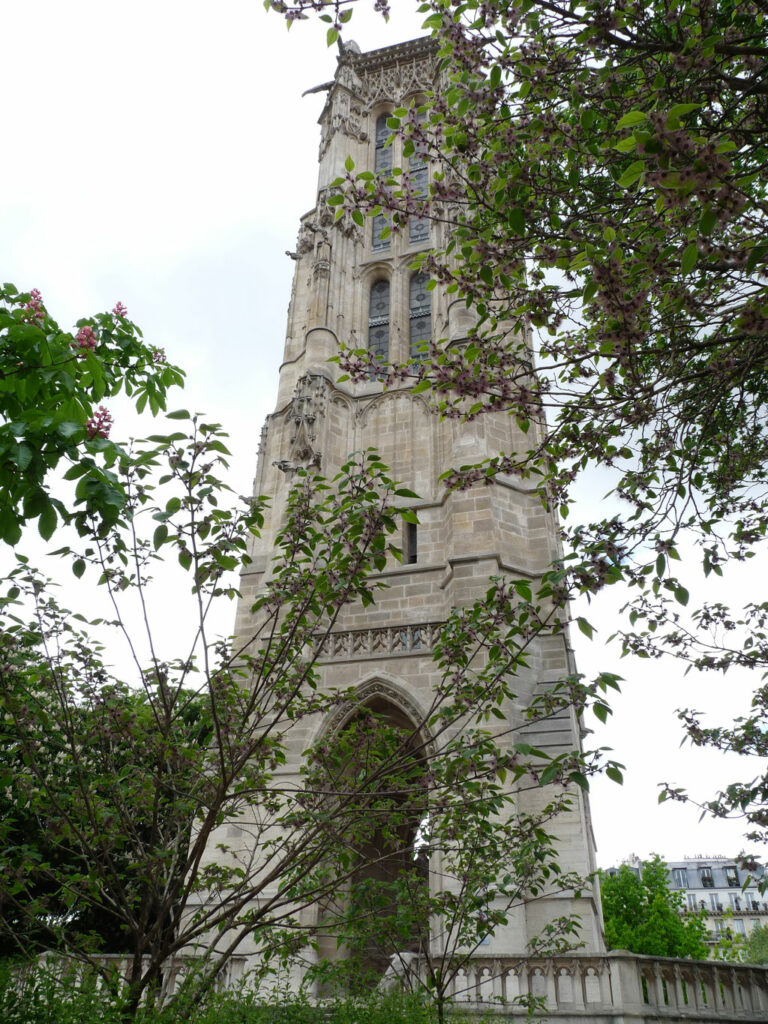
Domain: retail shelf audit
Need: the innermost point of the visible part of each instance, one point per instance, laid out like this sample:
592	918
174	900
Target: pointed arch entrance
375	755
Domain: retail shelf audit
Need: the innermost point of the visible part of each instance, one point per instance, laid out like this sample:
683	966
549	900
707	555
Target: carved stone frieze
397	82
354	644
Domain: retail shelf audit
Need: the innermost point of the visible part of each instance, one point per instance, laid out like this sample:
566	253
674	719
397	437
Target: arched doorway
374	765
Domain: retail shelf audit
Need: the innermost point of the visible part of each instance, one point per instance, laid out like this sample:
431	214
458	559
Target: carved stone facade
464	538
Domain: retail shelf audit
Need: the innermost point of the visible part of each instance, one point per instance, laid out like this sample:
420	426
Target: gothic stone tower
352	285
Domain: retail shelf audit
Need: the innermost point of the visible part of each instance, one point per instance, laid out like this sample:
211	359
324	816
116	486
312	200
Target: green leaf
585	627
631	174
708	221
179	414
681	595
349	164
613	773
516	220
486	275
23	455
588	117
681	109
690	255
601	712
661	563
46	524
78	567
331	36
631	119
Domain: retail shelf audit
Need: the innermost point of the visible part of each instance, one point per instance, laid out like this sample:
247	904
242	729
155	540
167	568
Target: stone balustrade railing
615	988
114	971
618	985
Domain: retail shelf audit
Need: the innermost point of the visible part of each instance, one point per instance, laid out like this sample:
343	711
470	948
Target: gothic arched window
378	321
418	227
382	164
419	313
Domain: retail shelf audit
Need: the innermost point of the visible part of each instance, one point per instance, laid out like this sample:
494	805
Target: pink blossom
119	310
34	308
99	425
158	355
85	340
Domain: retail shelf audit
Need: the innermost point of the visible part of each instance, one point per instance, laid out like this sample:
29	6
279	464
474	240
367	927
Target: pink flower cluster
85	340
99	425
34	308
158	355
119	310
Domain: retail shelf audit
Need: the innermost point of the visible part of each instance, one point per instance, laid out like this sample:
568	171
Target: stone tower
351	285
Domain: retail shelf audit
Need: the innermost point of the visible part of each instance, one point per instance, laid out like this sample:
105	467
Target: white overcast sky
159	152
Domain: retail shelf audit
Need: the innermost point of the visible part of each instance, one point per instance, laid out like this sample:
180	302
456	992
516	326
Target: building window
411	544
731	876
379	223
419	314
680	878
418	227
378	321
740	927
734	898
706	877
382	165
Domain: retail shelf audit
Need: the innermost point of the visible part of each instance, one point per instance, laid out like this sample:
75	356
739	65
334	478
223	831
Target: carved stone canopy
305	413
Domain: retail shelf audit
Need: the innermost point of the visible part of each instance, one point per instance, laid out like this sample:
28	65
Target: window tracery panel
378	320
382	165
419	314
418	227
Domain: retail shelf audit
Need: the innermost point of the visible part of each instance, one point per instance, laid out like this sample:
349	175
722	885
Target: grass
38	998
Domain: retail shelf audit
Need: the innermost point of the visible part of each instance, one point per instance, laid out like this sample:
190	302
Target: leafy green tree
756	950
135	781
52	386
40	914
643	915
600	172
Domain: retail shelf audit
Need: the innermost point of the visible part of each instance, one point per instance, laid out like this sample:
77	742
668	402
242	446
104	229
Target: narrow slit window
411	544
382	165
378	321
419	315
